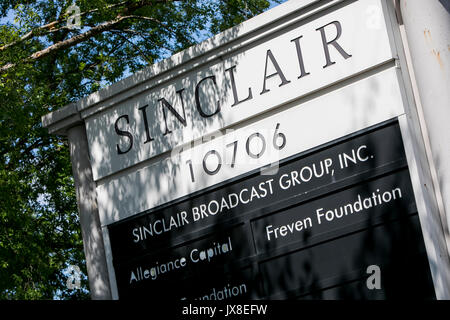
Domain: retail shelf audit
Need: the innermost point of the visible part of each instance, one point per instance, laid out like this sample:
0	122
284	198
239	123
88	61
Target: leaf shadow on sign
161	169
334	265
181	135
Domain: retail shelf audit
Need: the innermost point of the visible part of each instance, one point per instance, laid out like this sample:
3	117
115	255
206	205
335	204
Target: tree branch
134	45
51	26
69	42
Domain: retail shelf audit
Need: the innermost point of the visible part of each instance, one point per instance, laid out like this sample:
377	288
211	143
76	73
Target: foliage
45	65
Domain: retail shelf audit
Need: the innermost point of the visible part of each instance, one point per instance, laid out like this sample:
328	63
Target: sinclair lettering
209	84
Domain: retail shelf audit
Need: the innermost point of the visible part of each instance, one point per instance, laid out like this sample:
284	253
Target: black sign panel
395	248
211	255
319	222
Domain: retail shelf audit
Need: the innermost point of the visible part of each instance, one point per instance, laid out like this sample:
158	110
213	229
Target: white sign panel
288	64
349	109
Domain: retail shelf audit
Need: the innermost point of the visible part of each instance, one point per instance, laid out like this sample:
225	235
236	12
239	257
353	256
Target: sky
9	18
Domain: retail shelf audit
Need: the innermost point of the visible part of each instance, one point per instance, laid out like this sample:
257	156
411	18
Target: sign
350	202
279	159
305	57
